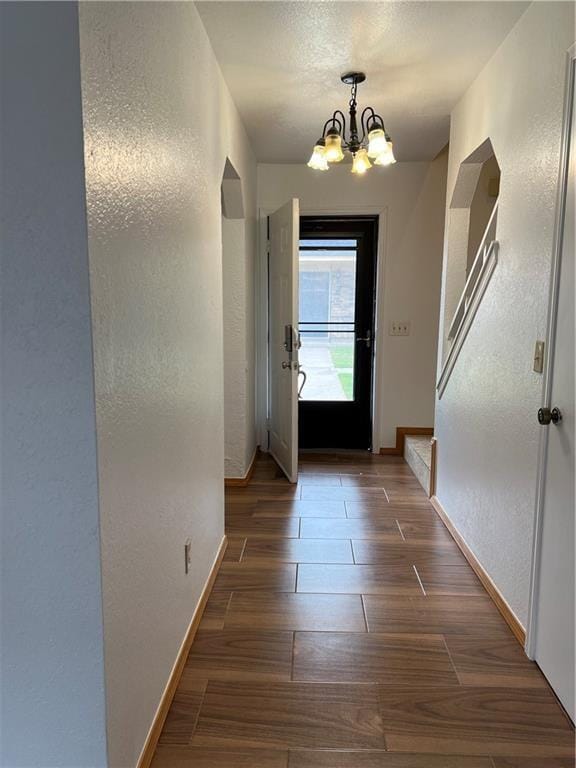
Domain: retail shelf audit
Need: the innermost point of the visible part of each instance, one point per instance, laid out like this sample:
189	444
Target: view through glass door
337	268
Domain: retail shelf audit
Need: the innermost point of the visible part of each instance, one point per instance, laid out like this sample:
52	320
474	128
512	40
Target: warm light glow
376	142
387	156
318	160
333	153
361	162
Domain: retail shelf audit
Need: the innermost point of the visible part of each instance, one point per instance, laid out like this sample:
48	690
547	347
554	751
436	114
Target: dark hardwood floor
346	630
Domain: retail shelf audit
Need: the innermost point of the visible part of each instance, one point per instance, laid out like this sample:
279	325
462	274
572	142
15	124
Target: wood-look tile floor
346	630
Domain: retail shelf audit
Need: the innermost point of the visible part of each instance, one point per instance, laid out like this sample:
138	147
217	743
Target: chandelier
374	143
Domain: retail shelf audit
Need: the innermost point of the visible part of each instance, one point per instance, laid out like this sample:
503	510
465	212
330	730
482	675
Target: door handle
545	416
367	338
286	364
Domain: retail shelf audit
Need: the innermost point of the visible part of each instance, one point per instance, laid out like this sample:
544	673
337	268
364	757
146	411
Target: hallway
346	630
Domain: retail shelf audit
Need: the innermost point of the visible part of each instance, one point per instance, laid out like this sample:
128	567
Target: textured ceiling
282	62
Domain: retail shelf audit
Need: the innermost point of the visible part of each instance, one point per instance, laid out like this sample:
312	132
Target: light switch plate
538	357
400	328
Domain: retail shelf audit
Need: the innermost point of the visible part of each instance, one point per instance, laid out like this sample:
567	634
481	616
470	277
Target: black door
337	271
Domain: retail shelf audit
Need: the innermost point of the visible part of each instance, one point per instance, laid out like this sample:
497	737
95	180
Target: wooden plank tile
345	493
363	481
534	762
209	757
401	484
183	715
320	528
234	549
360	459
370	759
493	661
272	577
424	530
298	550
403	495
264	526
367	658
275	491
396	469
387	553
395	481
310	478
290	715
383	508
440	579
491	721
240	654
468	615
299	508
293	611
358	579
215	610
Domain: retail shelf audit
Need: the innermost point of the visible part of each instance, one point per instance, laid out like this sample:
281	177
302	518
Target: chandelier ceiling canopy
372	143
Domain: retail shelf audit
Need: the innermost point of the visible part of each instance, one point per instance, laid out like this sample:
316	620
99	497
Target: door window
327	273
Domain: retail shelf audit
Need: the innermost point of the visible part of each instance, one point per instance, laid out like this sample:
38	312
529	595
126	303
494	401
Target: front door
554	600
337	270
283	324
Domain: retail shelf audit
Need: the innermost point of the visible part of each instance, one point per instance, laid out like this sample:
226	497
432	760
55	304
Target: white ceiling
282	62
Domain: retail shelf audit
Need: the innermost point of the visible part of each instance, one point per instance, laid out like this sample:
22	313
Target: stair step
418	456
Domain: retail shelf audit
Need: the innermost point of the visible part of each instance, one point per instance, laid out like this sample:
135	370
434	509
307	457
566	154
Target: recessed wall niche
475	194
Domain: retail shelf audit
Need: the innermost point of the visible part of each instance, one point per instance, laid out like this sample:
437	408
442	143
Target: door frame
261	293
569	88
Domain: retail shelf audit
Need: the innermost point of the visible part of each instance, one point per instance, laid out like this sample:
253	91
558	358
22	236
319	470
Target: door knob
286	364
545	416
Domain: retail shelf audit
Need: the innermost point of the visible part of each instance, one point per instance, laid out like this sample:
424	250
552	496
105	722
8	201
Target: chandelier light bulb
376	142
333	153
361	162
318	160
387	156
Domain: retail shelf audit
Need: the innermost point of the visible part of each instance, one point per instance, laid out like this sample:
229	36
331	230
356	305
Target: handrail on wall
476	283
474	274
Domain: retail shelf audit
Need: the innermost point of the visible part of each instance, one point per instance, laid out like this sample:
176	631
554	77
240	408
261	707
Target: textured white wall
159	124
238	279
412	197
486	420
51	628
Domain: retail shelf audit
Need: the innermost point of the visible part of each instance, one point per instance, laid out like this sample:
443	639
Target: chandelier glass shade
366	142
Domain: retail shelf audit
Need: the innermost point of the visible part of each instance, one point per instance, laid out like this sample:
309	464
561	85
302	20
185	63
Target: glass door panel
327	318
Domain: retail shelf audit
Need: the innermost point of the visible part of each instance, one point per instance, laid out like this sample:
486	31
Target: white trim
532	622
262	398
261	322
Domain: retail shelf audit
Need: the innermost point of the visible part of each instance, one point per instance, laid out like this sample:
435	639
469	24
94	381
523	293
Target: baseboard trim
493	592
151	742
235	482
401	432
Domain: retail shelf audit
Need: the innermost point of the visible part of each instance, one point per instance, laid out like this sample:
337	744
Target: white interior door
554	598
283	337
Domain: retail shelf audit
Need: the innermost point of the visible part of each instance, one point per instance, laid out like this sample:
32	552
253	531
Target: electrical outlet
400	328
187	555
